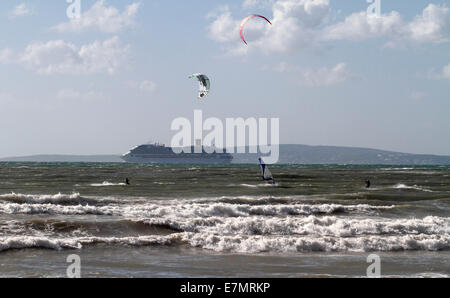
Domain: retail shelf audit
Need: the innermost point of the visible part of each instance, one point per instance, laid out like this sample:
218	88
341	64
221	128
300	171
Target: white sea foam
431	275
259	185
415	187
21	242
7	243
235	224
419	275
73	199
243	244
312	225
11	227
106	183
187	210
164	183
76	197
44	198
290	244
13	208
396	169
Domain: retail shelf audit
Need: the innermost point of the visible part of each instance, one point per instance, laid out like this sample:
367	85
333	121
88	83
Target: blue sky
117	77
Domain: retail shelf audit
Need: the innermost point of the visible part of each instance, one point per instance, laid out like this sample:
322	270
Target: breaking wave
222	224
262	244
62	199
307	226
243	244
106	183
21	242
415	187
52	199
187	210
259	185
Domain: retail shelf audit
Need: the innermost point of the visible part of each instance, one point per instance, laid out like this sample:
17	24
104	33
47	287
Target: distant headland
289	154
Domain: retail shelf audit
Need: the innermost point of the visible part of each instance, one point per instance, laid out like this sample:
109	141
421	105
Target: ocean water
222	221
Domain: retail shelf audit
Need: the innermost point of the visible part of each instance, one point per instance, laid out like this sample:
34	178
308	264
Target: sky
118	76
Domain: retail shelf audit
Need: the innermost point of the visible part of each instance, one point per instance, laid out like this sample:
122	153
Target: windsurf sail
266	174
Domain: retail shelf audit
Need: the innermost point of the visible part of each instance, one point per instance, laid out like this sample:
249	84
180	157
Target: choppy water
221	221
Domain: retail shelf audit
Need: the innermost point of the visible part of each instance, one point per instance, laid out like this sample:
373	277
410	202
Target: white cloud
321	77
294	22
306	13
21	10
72	94
326	76
250	3
446	72
431	26
257	3
224	28
438	74
102	18
303	24
6	97
61	57
418	95
359	26
284	67
6	56
146	86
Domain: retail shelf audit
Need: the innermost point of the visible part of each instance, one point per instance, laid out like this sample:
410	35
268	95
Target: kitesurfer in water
368	184
127	181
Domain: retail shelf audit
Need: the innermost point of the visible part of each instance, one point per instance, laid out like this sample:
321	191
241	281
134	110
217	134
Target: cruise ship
159	153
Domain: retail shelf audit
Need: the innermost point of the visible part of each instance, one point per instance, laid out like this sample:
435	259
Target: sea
181	221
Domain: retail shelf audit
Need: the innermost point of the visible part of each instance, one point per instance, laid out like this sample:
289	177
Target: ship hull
160	154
